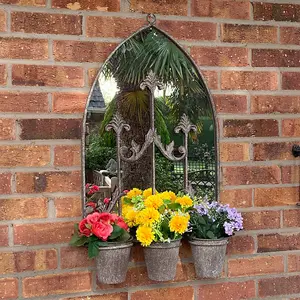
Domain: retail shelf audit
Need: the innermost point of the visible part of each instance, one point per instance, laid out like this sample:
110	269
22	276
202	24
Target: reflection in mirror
117	89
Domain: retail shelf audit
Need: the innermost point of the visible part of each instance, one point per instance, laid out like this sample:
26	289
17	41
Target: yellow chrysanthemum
147	216
130	217
168	195
147	193
184	201
153	201
133	193
145	235
179	223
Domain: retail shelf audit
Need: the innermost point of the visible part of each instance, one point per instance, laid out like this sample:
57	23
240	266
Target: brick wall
249	54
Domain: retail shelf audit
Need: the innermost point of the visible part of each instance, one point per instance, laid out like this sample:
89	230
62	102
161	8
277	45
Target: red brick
23	155
233	33
3	74
278	242
221	9
2	20
190	31
250	128
8	288
25	208
46	23
258	265
261	220
186	293
291	218
44	233
7	129
227	291
3	235
275	104
251	175
73	257
48	182
56	284
67	155
25	2
234	152
92	73
164	7
294	263
290	81
102	5
248	80
5	187
241	245
82	51
22	261
230	104
69	102
112	26
276	12
68	207
237	198
23	48
290	35
119	296
276	196
40	129
279	286
275	58
272	151
23	102
220	56
290	174
185	250
291	127
211	79
33	75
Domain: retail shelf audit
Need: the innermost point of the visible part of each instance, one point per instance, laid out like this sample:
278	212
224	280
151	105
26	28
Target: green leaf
93	249
123	237
78	241
210	235
167	202
161	209
201	220
127	201
174	206
117	232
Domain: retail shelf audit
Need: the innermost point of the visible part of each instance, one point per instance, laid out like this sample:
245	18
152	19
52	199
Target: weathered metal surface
209	256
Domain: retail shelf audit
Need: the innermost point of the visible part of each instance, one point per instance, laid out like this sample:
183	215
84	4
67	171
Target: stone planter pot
209	256
112	262
161	260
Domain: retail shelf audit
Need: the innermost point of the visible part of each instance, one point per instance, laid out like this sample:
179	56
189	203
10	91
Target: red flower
106	200
83	228
93	218
102	230
120	222
91	204
125	191
107	217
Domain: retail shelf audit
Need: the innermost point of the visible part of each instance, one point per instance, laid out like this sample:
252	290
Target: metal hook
151	19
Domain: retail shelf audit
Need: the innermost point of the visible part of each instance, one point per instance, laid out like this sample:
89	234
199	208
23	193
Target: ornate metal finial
117	124
151	82
151	19
185	125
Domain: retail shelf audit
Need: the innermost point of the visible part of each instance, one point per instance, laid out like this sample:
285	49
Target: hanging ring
151	19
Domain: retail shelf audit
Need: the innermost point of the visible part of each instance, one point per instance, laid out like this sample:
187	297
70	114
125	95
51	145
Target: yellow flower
133	193
147	216
168	195
130	217
147	193
153	201
179	223
144	235
184	201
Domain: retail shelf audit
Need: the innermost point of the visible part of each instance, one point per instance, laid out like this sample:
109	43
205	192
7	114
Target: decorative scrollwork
136	150
151	82
185	125
168	151
117	124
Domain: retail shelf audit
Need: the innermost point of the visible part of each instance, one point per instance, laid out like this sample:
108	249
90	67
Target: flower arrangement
99	230
161	217
213	220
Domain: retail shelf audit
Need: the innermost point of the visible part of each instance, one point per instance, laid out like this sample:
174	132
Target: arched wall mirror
117	89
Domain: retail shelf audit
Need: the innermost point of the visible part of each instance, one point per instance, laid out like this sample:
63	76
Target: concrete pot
209	256
161	260
112	262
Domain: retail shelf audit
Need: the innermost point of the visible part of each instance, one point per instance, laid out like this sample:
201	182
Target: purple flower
228	228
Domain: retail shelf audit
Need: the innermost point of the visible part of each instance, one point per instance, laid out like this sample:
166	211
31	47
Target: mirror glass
117	88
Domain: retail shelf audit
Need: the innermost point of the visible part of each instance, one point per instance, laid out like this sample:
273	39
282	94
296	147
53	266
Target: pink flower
93	218
87	185
83	228
125	191
107	217
91	204
120	222
106	200
95	188
101	230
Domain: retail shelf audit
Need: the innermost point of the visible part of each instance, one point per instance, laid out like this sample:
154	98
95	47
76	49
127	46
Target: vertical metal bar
119	173
185	166
152	117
